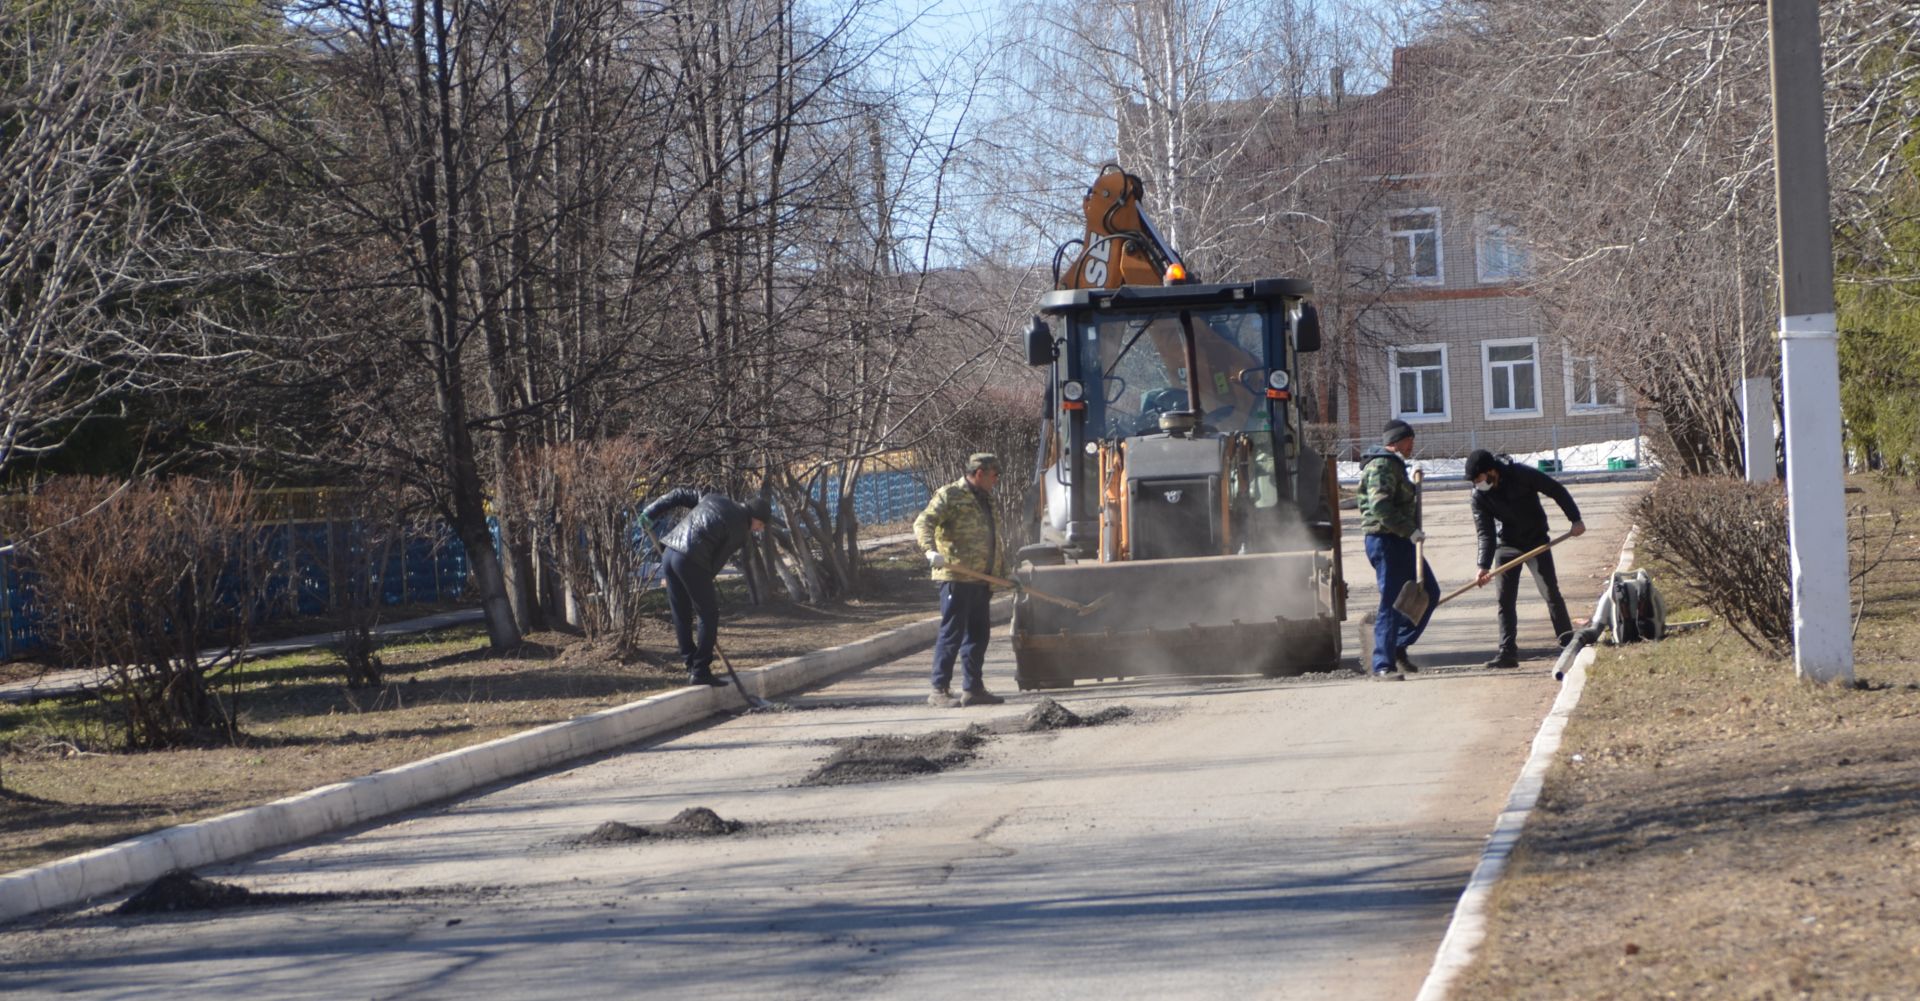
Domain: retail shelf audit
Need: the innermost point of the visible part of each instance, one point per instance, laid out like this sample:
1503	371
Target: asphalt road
1235	838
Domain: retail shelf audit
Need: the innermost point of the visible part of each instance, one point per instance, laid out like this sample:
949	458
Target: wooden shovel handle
1508	565
1003	582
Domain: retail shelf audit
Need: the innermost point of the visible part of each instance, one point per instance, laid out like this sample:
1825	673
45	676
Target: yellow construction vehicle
1178	498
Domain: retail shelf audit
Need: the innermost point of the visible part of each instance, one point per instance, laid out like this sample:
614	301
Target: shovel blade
1412	600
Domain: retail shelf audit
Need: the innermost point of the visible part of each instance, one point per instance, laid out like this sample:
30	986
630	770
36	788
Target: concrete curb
1469	925
103	872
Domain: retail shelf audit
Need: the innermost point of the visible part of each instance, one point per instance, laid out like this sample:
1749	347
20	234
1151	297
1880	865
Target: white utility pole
1809	348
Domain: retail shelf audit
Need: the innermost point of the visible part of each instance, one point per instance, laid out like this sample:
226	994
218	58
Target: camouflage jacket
958	523
1388	501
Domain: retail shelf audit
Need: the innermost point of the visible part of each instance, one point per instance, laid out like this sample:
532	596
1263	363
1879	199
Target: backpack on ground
1637	611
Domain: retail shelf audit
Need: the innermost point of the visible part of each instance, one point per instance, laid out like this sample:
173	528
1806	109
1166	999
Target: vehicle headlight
1277	379
1073	391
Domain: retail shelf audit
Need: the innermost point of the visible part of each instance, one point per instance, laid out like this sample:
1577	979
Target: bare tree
1631	144
103	244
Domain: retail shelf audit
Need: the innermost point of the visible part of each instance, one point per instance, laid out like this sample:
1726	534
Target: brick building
1439	328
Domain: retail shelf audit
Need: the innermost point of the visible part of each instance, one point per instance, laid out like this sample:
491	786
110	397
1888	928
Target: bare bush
584	502
377	527
1729	539
135	579
1005	422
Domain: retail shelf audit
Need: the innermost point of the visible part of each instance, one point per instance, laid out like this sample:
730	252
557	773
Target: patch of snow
1590	457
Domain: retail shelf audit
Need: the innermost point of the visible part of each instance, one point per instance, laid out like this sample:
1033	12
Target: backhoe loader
1173	479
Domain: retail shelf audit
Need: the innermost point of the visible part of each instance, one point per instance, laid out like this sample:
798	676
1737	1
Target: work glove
1419	535
935	560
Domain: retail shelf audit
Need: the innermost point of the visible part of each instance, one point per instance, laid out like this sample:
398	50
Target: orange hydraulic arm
1121	246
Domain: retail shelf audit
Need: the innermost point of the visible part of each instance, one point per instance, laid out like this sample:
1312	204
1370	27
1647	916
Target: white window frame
1394	236
1569	360
1485	226
1486	379
1446	385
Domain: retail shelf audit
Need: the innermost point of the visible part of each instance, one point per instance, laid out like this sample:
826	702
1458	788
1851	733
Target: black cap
1395	431
1480	462
762	510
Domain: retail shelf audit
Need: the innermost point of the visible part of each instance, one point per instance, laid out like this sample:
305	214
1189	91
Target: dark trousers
690	593
1392	559
966	618
1548	584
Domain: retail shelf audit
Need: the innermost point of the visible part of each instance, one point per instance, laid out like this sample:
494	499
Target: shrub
135	579
1004	421
1729	539
583	502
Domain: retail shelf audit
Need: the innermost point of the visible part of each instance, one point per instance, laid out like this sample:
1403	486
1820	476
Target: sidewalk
63	683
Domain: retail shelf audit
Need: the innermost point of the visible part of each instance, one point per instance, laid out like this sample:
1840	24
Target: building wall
1461	312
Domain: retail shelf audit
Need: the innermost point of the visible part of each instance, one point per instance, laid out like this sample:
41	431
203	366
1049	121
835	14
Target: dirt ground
64	789
1715	828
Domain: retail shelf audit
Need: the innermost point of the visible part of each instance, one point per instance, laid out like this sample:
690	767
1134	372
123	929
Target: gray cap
762	510
982	460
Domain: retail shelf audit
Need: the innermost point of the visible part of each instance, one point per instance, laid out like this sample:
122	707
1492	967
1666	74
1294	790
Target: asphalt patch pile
1050	715
179	892
885	757
692	822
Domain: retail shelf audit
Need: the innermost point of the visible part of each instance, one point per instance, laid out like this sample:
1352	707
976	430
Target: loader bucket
1268	613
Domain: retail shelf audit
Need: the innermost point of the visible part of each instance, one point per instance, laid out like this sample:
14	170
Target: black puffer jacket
711	533
1515	504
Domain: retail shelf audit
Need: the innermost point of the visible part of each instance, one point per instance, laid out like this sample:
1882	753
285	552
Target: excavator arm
1121	246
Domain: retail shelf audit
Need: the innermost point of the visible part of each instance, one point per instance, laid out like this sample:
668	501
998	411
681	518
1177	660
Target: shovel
1042	595
1412	600
1508	565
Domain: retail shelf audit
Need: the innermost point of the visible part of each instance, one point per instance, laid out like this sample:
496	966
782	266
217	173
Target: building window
1497	252
1588	388
1420	382
1512	371
1414	245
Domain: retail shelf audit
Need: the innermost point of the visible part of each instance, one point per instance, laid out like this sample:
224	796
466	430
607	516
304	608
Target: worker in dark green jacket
1390	520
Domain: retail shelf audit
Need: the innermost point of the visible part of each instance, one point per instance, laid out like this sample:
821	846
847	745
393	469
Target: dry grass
67	789
1715	828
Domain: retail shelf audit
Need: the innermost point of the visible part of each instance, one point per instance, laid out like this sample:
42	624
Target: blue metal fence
882	496
299	583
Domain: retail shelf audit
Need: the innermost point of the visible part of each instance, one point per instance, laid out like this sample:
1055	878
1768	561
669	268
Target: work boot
980	697
1388	676
1405	663
1505	658
705	678
942	699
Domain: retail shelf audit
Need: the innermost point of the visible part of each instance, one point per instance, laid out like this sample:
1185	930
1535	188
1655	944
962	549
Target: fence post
291	562
1557	467
1636	443
406	582
6	609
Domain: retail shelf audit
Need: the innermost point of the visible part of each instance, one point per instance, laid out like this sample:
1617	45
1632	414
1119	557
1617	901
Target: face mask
1483	486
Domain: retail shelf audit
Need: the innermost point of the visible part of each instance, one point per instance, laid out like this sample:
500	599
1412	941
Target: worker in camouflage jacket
1390	520
958	534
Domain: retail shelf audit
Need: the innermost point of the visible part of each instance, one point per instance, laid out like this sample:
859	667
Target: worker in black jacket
693	553
1507	494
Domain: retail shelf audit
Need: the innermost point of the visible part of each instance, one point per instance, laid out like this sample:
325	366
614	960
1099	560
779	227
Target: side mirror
1306	329
1040	347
